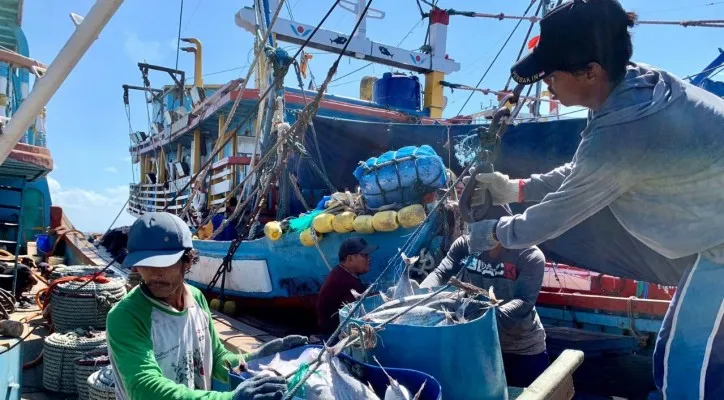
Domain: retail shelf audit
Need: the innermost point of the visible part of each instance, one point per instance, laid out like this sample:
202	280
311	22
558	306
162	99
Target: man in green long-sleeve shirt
161	337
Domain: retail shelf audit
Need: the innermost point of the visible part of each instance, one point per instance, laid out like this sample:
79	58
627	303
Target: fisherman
653	153
354	261
229	232
161	338
516	277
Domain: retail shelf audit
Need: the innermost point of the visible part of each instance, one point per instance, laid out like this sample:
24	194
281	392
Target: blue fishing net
304	221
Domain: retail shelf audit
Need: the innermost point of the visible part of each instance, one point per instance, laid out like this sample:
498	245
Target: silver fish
404	286
419	316
344	385
394	391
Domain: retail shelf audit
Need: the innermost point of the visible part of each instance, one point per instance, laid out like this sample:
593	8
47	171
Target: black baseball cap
573	35
355	246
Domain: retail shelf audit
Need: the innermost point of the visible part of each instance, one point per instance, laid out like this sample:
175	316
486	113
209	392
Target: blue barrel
465	358
397	91
373	374
43	243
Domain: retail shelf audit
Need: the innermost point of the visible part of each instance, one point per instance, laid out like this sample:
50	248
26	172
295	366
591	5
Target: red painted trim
439	16
35	155
617	305
237	160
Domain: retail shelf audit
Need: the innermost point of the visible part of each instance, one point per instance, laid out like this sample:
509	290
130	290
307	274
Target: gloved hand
261	387
482	236
278	345
503	190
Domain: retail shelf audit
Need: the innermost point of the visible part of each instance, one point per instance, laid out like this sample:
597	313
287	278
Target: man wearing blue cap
161	338
653	154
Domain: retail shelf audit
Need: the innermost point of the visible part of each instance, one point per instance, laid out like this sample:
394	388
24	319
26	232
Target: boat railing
227	172
149	197
189	121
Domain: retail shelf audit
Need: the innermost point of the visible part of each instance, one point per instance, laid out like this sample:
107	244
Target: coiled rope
85	366
102	385
60	350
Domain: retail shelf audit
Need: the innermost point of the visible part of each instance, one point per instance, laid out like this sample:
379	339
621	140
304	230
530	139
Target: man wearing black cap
354	261
653	153
516	277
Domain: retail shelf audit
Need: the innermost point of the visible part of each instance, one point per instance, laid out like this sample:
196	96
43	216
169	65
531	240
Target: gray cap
157	239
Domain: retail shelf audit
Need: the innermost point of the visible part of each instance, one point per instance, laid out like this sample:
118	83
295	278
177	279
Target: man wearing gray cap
161	338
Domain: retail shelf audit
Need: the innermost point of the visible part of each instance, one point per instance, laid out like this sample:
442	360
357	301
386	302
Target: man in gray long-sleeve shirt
653	153
516	277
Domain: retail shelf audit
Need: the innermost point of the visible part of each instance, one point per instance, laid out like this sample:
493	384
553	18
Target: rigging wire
178	38
496	57
704	72
258	102
525	42
191	18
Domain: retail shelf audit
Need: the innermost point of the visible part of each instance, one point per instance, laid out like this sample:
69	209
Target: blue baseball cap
157	239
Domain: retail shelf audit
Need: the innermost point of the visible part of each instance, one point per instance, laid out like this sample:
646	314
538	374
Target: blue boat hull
265	269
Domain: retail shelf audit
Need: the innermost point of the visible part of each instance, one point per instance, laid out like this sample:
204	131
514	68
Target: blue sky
87	124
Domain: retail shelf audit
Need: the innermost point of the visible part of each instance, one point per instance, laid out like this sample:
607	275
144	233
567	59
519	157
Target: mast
84	35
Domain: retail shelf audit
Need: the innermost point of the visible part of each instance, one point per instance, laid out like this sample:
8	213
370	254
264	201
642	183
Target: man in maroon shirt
354	261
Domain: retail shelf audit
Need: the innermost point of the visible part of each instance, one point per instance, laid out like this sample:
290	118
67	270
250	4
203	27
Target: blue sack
401	177
465	358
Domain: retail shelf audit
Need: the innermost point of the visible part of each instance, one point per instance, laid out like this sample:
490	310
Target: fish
394	391
385	52
339	40
404	287
419	316
344	385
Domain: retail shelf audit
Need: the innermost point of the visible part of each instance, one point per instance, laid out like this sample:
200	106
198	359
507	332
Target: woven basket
73	306
85	366
101	385
60	350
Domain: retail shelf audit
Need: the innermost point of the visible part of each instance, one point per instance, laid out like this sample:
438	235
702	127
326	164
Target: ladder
6	225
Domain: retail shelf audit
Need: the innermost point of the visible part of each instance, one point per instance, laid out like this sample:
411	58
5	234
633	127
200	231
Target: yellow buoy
215	304
322	223
307	239
363	224
385	221
343	222
229	308
411	216
272	230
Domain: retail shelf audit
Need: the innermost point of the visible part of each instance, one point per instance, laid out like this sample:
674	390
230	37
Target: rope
711	23
459	86
85	366
73	308
496	57
102	385
261	98
60	350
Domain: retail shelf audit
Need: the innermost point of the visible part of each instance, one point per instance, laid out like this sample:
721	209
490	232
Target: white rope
60	350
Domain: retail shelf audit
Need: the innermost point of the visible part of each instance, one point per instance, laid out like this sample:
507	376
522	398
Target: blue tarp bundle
400	177
599	243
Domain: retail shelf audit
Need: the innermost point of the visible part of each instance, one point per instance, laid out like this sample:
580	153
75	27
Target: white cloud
91	210
112	170
140	50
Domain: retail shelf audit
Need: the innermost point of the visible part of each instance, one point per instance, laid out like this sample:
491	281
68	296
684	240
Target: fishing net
303	221
85	366
60	350
74	305
102	385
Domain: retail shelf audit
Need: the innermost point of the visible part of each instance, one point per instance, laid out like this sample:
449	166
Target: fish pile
443	309
333	379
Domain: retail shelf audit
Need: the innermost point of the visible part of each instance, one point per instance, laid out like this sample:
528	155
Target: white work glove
503	190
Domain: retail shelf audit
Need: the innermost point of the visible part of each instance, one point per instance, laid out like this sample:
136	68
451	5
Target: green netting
303	221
